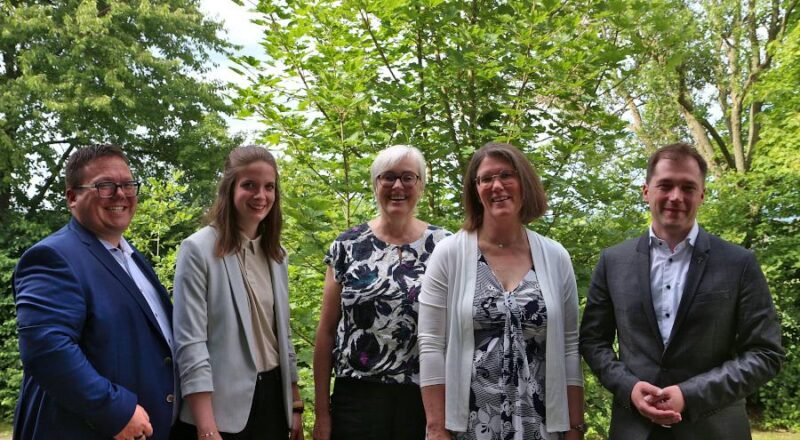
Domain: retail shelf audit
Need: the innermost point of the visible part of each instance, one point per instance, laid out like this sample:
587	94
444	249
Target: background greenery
586	89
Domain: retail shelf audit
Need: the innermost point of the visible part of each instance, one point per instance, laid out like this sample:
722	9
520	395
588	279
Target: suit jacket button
167	361
170	398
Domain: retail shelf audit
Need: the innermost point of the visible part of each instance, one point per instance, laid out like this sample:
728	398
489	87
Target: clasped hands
662	406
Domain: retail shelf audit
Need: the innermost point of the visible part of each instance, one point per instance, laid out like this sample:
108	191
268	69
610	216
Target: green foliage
10	365
80	72
597	409
162	221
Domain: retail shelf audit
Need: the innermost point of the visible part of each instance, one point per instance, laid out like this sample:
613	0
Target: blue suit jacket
91	348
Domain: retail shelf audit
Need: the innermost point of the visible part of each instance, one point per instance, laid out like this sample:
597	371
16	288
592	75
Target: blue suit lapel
696	269
642	269
107	260
144	265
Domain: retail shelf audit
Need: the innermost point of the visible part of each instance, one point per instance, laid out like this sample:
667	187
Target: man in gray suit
692	314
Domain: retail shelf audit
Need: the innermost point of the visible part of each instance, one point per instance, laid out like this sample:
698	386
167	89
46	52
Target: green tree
163	219
693	70
85	71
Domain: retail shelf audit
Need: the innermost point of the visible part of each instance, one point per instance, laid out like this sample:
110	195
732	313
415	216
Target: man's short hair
81	157
675	151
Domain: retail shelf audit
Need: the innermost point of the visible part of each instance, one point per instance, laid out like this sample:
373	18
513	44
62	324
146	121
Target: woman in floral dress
368	325
498	328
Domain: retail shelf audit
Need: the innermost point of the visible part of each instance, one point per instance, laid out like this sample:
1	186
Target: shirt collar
251	244
123	246
691	238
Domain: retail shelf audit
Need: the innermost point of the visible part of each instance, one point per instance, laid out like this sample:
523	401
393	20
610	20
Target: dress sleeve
336	258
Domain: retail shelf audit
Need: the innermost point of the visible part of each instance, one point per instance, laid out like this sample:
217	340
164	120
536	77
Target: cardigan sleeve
433	319
569	292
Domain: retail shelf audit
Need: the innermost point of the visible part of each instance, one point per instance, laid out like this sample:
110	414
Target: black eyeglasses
107	190
407	179
505	177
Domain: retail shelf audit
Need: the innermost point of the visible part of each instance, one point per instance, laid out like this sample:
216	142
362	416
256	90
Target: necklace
504	244
499	244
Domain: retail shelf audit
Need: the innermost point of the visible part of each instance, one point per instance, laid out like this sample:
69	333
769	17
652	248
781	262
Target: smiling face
107	218
675	192
501	199
253	195
399	200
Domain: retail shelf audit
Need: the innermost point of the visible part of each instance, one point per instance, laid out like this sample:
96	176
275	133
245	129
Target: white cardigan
446	333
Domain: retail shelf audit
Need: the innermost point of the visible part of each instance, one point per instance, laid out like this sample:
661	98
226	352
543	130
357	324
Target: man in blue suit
94	323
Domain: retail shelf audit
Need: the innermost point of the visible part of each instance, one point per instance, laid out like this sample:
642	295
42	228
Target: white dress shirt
668	269
124	256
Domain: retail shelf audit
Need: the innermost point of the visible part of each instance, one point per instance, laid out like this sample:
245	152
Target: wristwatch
580	427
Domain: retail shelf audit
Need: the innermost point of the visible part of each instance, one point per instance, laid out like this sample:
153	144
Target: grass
760	435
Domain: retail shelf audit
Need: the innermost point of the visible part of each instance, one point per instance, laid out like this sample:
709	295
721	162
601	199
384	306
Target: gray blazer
213	331
725	343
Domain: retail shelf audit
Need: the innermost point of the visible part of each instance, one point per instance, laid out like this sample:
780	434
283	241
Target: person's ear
72	198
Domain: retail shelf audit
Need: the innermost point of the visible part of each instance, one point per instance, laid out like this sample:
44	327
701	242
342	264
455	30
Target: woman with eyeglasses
368	325
235	357
498	325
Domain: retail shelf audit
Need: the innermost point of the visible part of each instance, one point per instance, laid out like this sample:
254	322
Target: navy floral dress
506	399
376	338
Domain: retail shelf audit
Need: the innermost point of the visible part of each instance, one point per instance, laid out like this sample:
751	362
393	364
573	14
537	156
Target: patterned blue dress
506	399
376	338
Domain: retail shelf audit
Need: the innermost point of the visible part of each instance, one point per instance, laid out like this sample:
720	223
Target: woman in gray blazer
235	357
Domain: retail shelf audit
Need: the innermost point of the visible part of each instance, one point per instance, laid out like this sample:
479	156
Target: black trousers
364	410
661	433
267	419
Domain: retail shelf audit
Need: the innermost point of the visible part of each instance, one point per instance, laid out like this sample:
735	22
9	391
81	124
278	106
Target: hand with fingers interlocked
661	406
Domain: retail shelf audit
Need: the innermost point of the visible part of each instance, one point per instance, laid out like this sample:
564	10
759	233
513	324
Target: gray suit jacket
725	342
214	333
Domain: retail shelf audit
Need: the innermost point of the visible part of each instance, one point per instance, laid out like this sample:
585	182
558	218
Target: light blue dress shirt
123	254
668	269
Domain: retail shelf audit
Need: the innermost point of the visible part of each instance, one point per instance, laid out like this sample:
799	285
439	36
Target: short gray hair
391	156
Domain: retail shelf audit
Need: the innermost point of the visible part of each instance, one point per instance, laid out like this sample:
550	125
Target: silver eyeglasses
505	177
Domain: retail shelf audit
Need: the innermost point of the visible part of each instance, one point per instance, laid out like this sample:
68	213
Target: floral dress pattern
506	400
376	338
